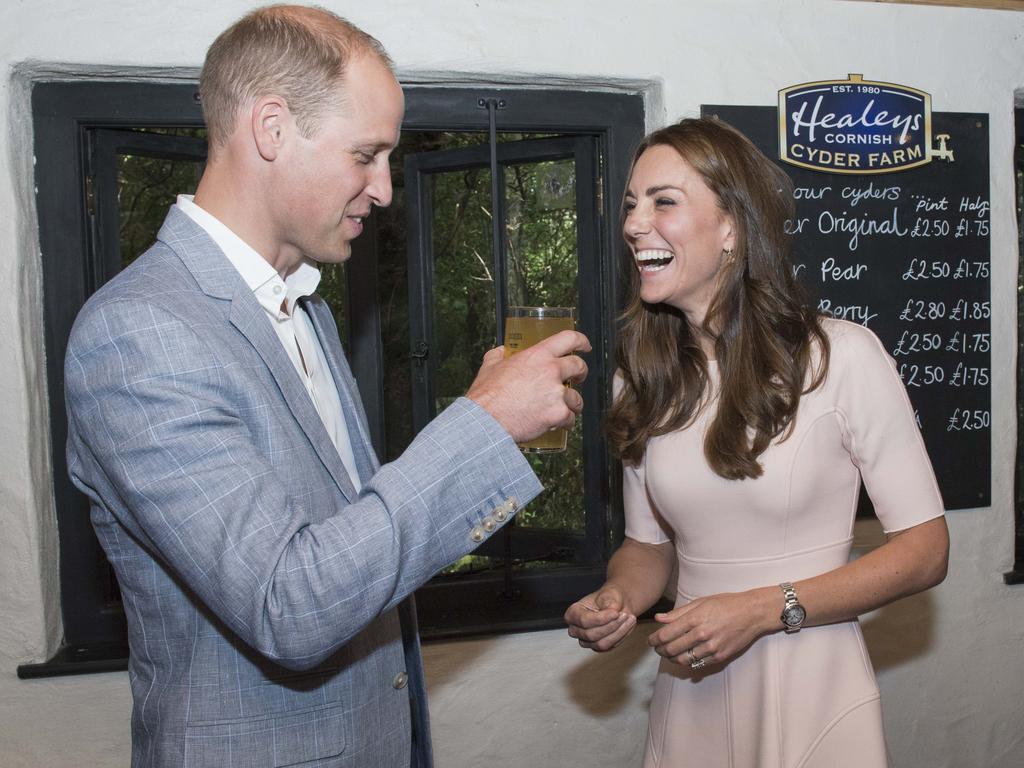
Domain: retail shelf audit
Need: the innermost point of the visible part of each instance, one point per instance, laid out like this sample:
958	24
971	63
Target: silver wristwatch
793	614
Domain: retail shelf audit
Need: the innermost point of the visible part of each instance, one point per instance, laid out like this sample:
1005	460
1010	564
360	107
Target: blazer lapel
218	278
250	319
348	392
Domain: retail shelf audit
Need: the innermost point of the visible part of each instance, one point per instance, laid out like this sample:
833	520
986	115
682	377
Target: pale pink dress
804	700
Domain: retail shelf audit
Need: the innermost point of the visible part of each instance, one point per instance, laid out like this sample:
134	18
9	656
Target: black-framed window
111	156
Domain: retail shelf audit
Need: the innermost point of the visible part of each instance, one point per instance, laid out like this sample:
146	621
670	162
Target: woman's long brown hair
763	330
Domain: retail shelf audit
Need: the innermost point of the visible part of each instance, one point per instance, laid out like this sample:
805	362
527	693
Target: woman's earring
728	255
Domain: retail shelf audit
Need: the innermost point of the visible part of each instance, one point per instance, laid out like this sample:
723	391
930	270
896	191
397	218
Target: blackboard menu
907	254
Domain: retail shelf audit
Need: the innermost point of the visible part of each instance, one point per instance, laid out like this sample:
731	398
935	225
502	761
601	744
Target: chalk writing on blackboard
908	255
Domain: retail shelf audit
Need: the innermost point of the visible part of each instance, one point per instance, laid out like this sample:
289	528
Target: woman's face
676	231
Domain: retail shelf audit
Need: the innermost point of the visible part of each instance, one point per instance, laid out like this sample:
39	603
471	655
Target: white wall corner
32	602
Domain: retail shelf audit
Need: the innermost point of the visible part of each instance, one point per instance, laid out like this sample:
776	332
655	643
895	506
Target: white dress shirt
280	298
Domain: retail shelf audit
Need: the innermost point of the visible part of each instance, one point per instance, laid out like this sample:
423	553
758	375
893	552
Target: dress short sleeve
643	522
880	429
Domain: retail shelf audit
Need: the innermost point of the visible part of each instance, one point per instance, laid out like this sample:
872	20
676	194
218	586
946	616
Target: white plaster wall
950	663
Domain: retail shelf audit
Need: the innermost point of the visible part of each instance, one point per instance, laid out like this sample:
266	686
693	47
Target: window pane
146	188
540	228
463	278
561	503
540	237
333	288
453	219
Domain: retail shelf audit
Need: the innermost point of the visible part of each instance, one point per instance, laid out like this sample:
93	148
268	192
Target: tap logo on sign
857	126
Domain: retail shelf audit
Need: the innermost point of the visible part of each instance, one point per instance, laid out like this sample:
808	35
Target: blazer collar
215	275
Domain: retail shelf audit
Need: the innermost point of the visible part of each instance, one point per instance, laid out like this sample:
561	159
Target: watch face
794	615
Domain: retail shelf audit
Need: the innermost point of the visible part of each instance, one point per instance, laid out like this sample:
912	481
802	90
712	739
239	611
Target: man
261	550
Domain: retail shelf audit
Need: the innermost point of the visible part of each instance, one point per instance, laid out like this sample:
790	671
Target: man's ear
270	120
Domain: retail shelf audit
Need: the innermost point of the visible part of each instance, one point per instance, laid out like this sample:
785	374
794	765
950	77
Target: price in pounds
930	228
967	269
970	310
967	420
969	376
919	309
911	342
915	375
964	342
922	269
966	227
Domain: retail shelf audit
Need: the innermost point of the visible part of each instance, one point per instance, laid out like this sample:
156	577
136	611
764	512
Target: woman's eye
664	201
364	158
628	206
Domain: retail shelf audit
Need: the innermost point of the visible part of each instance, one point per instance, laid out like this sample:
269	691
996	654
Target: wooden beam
998	5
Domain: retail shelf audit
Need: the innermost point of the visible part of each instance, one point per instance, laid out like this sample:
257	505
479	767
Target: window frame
63	113
481	604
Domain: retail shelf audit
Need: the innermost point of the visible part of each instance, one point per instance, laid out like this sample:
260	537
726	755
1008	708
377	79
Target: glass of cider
525	326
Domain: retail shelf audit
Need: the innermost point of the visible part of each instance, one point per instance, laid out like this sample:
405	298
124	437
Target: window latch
420	352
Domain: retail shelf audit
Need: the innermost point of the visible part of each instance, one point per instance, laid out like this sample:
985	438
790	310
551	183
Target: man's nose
379	188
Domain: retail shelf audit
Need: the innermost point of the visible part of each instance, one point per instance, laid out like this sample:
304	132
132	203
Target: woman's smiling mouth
653	260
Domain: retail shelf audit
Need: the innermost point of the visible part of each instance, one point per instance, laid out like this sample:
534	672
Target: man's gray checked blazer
261	592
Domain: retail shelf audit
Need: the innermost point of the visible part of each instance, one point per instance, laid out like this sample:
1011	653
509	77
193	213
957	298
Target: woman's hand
599	621
716	628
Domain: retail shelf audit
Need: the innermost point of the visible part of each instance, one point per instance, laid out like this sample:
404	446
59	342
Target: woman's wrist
628	603
770	601
610	595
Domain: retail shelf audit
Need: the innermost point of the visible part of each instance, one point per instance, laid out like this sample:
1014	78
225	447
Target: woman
745	423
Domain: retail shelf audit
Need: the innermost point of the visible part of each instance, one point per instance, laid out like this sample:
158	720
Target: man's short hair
297	52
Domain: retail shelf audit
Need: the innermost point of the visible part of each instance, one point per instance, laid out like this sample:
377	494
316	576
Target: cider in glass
525	326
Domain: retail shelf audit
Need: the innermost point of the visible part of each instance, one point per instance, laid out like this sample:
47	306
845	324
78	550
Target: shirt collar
263	280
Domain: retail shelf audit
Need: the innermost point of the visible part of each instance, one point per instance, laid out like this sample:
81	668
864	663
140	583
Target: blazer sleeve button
477	534
400	681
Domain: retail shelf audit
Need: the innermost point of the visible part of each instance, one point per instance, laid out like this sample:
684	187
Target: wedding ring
692	658
698	664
